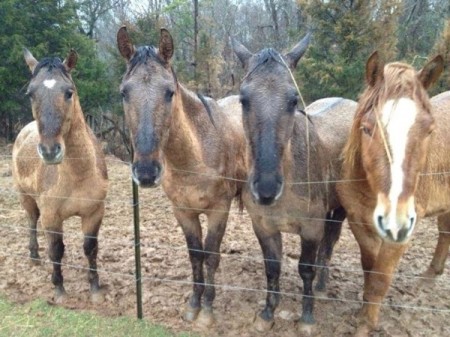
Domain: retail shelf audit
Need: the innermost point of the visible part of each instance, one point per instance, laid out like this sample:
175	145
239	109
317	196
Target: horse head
148	89
269	100
53	99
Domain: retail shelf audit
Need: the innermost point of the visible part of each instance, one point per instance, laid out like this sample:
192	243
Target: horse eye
68	94
293	102
124	93
366	130
245	103
169	95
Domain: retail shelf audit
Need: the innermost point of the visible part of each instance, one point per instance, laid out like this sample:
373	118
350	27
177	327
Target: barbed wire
225	286
260	259
202	210
217	176
236	288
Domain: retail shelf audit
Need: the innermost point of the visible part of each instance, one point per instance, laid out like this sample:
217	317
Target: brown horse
69	176
185	141
397	133
291	169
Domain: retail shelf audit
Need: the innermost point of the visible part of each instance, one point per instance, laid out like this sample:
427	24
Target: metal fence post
137	245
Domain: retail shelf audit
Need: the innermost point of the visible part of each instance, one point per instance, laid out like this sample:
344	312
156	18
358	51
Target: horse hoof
205	318
190	313
60	295
97	297
362	331
319	294
35	261
261	325
307	330
430	273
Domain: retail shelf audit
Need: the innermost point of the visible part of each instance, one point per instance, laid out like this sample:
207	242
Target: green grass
38	318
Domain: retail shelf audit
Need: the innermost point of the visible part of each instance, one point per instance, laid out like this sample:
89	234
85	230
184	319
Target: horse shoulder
26	166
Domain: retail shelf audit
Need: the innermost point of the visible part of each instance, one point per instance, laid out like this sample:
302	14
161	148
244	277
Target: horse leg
333	227
192	230
306	269
379	261
32	211
56	253
271	245
90	226
216	229
440	254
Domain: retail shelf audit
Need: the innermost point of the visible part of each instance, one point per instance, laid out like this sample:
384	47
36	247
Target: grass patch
38	318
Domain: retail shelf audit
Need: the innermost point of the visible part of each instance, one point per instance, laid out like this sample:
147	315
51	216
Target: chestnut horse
291	170
397	133
184	141
58	166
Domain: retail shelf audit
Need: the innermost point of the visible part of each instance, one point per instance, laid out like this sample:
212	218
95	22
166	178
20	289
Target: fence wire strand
129	202
259	259
237	288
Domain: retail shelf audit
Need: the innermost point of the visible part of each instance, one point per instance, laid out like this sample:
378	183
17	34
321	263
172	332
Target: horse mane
51	63
207	107
399	80
264	56
144	53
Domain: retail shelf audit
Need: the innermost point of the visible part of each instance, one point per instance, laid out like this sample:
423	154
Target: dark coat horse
293	162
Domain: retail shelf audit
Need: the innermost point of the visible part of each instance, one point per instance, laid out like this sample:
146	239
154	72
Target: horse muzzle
147	173
51	154
395	224
266	189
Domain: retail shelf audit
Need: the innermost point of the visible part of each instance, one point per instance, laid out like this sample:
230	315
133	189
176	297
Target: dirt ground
410	309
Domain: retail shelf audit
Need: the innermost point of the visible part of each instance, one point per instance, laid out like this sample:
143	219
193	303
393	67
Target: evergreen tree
47	28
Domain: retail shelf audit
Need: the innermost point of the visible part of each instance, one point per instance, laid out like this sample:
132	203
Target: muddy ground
410	309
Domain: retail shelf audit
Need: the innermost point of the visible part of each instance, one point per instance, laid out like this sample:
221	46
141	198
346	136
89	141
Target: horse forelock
263	57
51	63
143	54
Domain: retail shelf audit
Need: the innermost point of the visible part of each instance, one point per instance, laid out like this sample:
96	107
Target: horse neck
78	143
304	160
183	147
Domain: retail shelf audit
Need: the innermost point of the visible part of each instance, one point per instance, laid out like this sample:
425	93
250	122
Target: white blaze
398	116
49	83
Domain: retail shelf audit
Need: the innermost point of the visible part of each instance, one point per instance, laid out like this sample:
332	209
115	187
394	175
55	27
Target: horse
397	133
186	143
58	167
293	163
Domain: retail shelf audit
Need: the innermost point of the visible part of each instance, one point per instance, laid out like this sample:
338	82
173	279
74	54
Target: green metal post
137	245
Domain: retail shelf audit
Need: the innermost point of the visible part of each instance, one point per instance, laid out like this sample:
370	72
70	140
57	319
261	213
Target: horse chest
195	193
290	214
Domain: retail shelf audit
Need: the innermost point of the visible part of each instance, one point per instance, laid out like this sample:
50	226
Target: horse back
433	194
333	118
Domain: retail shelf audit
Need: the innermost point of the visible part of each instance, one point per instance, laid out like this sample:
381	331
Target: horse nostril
57	148
412	220
380	221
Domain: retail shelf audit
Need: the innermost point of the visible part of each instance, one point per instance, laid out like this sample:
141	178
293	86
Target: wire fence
113	201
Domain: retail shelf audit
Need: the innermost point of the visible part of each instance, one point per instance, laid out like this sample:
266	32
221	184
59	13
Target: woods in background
344	34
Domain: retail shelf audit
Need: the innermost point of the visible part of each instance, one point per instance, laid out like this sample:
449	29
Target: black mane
50	63
142	54
265	56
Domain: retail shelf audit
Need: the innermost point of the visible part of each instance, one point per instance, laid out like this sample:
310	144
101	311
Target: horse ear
124	43
71	60
298	51
165	45
431	71
241	52
29	59
374	69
